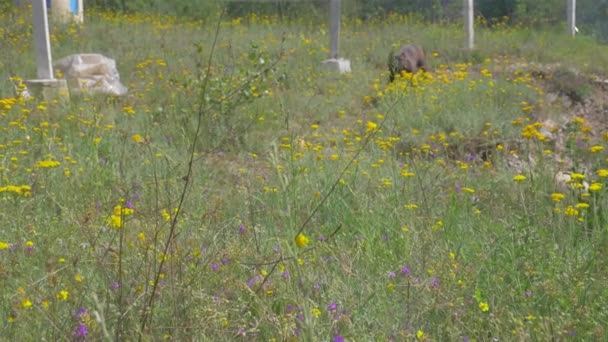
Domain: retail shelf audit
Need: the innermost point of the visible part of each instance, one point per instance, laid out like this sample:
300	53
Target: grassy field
242	192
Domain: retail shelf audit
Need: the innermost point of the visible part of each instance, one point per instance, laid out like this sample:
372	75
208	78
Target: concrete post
334	62
41	40
67	10
334	28
45	85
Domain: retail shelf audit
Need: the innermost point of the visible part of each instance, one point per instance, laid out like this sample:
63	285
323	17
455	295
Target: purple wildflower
405	270
252	281
391	274
81	331
435	282
332	306
129	205
338	338
80	312
215	266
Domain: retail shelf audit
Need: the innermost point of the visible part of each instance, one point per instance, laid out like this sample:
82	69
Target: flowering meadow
242	191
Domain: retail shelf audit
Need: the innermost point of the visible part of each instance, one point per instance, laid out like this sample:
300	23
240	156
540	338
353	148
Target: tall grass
309	205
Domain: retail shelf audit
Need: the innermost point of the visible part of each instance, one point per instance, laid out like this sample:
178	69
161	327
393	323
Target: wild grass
307	205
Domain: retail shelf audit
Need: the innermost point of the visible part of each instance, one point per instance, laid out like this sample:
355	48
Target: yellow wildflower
570	211
302	240
63	295
519	178
596	148
595	187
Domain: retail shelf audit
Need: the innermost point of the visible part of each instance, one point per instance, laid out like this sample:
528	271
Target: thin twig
149	309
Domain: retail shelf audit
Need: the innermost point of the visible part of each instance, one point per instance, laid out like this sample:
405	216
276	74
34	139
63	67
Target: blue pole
74	6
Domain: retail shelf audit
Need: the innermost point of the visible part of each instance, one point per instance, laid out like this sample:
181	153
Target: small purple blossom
391	274
129	205
405	270
528	293
253	280
332	306
80	312
215	266
276	248
285	274
115	285
81	331
435	282
242	229
338	338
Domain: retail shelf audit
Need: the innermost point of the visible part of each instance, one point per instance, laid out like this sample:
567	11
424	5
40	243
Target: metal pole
334	28
468	23
572	17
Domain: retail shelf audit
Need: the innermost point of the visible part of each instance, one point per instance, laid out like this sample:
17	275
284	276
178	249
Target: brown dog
409	58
